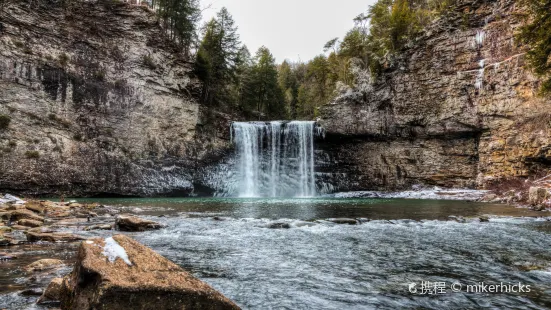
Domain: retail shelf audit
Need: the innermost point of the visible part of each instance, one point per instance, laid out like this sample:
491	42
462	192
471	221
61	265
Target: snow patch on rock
113	250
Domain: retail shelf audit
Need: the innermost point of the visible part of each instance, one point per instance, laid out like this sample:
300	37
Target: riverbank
209	236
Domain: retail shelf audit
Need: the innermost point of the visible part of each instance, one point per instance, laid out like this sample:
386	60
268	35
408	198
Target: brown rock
52	292
20	227
538	195
53	237
133	223
5	229
25	214
44	264
99	227
35	207
150	282
29	223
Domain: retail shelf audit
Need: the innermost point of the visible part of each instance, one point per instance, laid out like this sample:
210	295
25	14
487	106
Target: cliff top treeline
258	87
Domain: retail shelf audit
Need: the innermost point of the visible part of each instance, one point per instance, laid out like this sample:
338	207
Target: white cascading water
274	159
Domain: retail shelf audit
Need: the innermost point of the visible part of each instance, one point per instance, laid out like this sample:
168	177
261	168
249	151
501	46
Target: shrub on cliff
32	154
4	121
537	34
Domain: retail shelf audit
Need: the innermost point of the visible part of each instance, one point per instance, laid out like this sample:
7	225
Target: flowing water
273	159
317	264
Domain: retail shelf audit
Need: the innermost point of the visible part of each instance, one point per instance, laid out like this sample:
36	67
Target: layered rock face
99	102
459	108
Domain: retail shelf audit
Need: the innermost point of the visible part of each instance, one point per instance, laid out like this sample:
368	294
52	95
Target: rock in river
44	264
133	223
120	273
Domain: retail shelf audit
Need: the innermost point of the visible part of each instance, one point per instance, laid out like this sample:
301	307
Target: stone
32	292
538	195
25	214
29	223
343	221
484	218
150	281
5	229
133	223
53	237
44	264
279	225
35	207
99	227
52	292
20	227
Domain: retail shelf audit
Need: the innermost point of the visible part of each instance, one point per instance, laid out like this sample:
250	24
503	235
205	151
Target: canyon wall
459	108
99	102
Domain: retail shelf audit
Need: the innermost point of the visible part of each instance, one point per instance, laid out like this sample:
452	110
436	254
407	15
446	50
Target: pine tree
269	98
217	58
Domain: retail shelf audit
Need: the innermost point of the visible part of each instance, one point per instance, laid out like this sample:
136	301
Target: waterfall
273	159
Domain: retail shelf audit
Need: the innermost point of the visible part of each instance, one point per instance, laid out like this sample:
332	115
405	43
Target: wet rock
21	214
52	292
458	219
5	229
99	227
44	264
7	256
32	292
20	227
133	223
53	237
35	207
279	226
484	218
363	220
343	221
150	281
29	223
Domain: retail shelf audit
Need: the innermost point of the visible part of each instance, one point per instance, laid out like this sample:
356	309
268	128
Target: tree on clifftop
218	57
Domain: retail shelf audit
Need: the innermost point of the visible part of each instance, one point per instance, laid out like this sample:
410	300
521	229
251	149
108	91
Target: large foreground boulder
120	273
133	223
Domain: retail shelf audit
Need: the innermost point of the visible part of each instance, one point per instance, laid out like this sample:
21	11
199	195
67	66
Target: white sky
291	29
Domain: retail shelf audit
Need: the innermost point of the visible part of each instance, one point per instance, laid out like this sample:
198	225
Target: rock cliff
459	108
98	103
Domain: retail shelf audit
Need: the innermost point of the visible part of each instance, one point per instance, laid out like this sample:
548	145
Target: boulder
99	227
120	273
344	221
279	225
44	264
21	214
5	229
29	223
52	237
52	292
537	196
484	218
133	223
31	292
35	207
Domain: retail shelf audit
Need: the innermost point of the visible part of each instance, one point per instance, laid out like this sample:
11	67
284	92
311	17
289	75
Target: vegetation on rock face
179	18
537	34
4	121
32	154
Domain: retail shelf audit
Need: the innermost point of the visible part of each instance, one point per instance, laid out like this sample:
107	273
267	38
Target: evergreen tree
218	57
269	98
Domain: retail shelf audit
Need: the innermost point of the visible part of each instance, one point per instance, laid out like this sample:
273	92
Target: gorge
146	161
